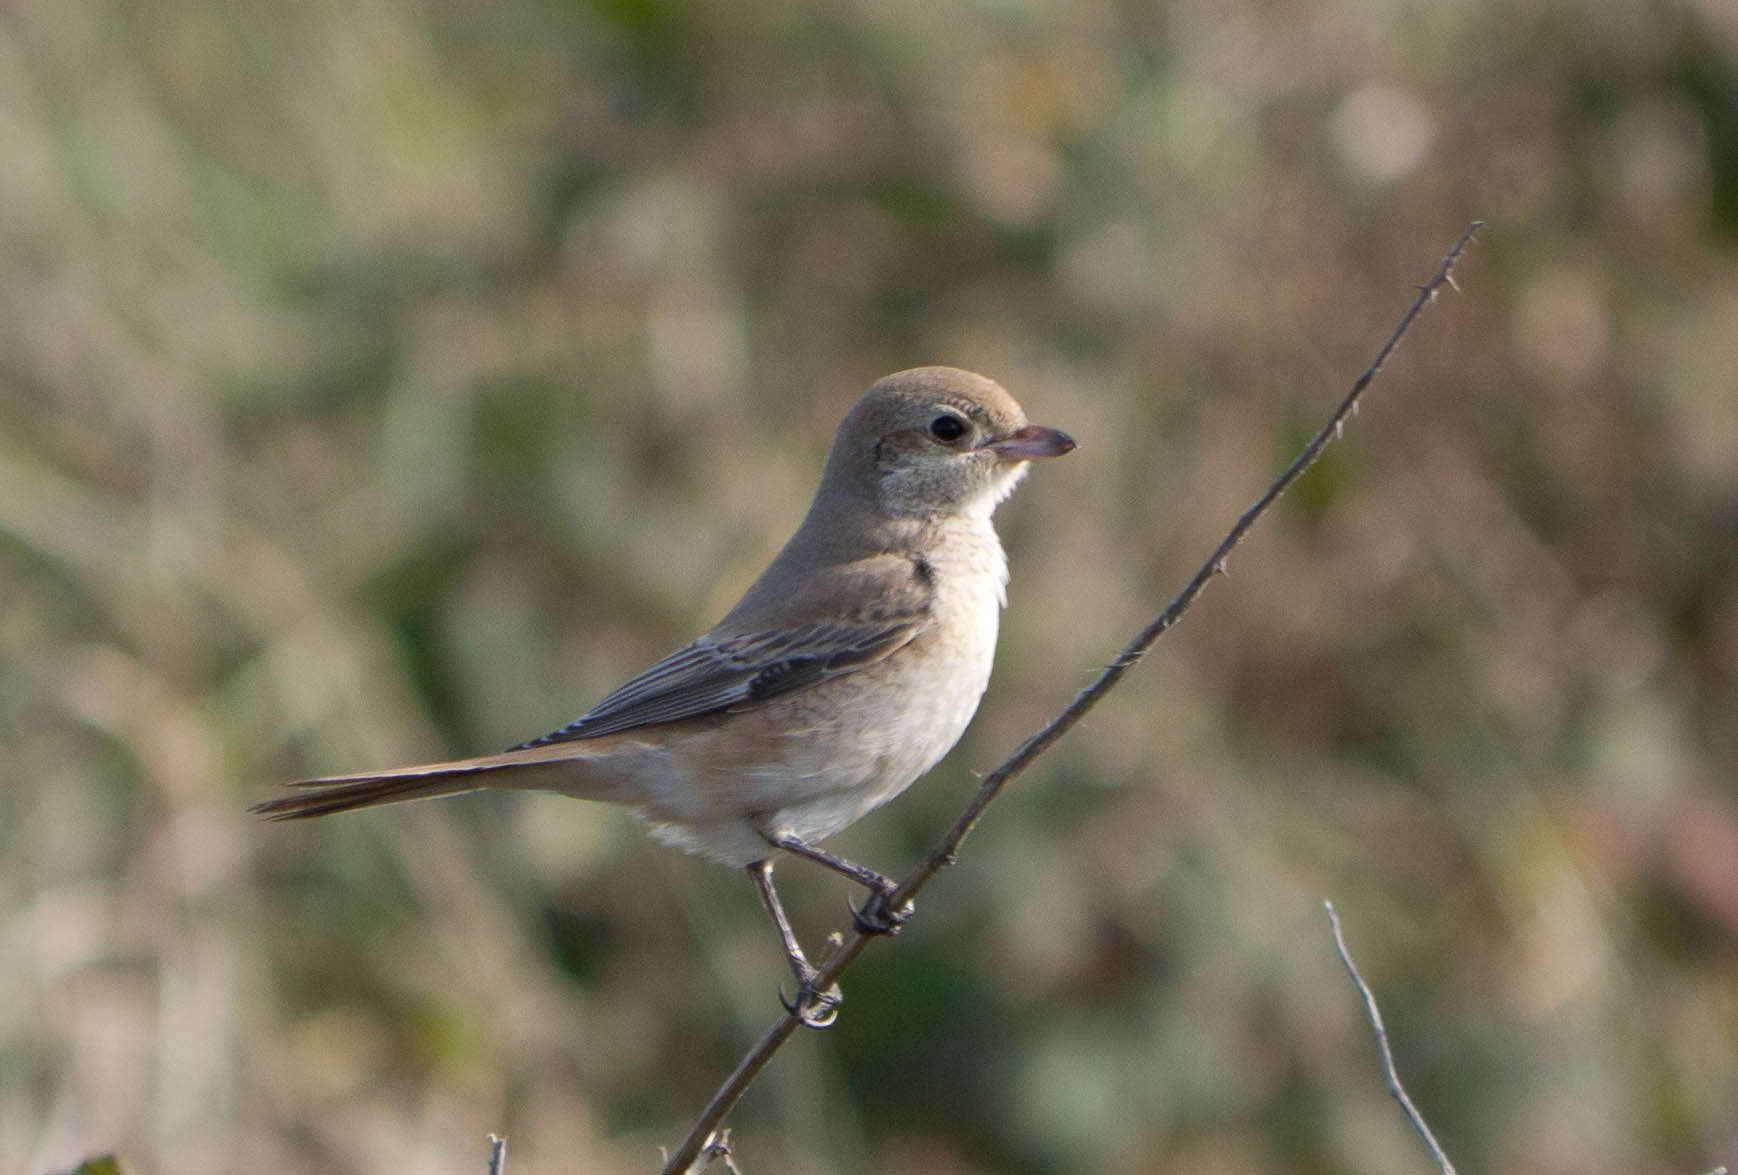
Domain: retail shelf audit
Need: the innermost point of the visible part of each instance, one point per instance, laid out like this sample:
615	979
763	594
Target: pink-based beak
1032	443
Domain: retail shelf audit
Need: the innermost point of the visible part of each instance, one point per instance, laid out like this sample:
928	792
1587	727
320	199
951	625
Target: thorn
1452	284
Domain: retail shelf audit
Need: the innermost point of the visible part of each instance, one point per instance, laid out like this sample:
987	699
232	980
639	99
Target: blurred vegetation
387	380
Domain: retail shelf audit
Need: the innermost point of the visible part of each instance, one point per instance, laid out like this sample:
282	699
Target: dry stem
690	1155
1374	1015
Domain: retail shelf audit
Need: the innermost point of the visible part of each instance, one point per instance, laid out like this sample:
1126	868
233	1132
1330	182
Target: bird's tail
530	768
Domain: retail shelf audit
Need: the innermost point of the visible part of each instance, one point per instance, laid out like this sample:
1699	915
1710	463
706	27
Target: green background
386	380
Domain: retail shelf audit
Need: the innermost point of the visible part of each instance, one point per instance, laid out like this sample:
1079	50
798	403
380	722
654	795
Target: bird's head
937	441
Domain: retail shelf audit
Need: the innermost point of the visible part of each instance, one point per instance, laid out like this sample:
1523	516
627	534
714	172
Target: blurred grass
389	380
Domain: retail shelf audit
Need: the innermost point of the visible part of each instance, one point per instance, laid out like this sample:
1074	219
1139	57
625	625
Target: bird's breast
970	576
817	759
920	700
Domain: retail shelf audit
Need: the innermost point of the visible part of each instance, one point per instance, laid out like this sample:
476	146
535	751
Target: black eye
947	428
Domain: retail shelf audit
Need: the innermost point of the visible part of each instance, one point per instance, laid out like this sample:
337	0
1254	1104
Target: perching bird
848	669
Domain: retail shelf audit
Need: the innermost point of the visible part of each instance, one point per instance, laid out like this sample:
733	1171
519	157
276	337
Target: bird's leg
875	916
816	1009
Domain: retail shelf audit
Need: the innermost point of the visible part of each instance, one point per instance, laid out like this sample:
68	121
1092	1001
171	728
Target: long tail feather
322	799
343	793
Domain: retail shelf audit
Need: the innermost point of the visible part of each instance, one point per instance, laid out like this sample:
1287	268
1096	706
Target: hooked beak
1032	443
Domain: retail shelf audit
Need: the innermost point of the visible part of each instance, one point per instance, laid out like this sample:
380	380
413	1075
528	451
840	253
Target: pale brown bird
846	671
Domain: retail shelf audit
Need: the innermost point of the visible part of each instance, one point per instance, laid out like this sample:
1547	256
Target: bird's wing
740	670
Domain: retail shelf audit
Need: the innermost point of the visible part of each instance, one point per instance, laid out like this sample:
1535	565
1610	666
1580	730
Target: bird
851	665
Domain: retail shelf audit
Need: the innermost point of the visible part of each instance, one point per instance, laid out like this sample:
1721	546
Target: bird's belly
828	755
857	742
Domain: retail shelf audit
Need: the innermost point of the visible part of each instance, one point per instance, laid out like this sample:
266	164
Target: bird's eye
947	428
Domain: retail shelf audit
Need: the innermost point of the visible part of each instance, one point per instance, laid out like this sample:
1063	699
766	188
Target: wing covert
737	672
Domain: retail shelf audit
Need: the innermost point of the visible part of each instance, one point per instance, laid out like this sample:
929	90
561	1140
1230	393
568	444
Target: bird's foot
877	915
814	1007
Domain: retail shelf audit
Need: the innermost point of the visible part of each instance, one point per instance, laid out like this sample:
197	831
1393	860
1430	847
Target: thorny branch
690	1155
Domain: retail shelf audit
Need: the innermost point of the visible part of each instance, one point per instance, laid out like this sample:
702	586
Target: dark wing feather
739	671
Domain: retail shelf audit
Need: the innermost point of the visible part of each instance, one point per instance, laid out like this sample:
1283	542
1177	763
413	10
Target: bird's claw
877	915
816	1009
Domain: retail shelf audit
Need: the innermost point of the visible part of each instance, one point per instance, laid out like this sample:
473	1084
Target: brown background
386	380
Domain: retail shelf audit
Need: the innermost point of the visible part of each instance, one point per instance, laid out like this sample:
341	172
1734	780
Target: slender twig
497	1155
947	849
1374	1015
